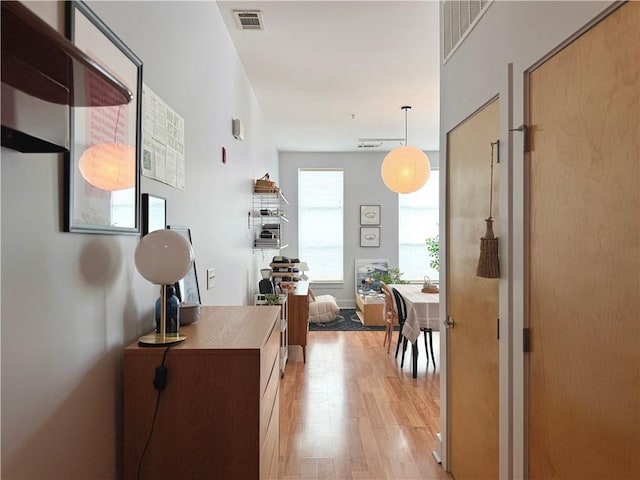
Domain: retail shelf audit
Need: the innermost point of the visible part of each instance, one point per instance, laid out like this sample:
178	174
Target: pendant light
405	169
109	166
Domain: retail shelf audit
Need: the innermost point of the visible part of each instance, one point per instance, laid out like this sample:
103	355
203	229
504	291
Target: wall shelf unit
269	220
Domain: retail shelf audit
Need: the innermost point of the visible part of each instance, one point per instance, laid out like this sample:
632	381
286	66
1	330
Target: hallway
351	413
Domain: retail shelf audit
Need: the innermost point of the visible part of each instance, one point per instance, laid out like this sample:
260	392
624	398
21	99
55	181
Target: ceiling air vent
248	19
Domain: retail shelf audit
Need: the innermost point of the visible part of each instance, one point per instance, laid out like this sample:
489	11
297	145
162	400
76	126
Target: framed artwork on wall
154	213
102	181
187	289
369	214
366	269
369	236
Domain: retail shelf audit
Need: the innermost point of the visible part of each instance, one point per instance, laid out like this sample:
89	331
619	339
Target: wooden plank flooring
350	412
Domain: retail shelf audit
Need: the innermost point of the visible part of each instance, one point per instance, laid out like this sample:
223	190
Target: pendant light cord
406	108
406	136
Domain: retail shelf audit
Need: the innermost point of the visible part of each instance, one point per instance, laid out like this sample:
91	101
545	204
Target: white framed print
369	214
369	236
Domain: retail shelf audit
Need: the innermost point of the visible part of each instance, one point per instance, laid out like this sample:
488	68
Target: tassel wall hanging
489	264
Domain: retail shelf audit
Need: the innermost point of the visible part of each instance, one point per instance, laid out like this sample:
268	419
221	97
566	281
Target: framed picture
366	269
369	214
154	213
102	181
369	236
187	289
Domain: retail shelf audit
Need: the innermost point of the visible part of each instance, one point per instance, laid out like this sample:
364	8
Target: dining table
423	311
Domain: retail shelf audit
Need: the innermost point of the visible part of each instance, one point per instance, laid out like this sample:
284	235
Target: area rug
346	321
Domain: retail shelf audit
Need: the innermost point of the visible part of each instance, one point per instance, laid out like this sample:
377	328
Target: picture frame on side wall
102	180
154	213
187	289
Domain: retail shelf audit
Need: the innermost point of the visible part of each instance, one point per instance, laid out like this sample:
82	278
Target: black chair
402	316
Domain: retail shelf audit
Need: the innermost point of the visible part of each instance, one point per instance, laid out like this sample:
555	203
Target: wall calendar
162	141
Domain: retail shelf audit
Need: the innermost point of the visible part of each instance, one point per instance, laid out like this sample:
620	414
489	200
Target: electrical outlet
211	278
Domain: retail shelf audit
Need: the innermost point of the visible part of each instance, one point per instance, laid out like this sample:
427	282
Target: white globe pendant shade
163	257
109	166
405	169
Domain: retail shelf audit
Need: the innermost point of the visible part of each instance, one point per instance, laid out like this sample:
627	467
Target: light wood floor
350	412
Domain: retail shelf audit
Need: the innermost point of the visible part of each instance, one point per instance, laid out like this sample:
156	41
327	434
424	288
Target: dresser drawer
268	401
270	451
269	356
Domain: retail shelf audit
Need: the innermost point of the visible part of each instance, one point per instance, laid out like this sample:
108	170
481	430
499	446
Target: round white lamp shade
109	166
405	169
163	257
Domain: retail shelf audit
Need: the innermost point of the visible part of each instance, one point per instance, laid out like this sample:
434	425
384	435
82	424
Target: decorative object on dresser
187	288
304	267
219	415
163	257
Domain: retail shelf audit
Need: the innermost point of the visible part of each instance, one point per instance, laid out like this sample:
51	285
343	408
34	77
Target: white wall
512	36
362	186
71	302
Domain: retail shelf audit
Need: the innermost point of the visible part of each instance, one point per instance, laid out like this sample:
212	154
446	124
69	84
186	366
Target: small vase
172	311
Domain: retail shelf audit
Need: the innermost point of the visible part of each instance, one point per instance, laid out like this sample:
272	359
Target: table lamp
163	257
303	267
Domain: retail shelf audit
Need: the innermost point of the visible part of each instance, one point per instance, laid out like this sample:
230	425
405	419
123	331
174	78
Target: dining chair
390	316
401	308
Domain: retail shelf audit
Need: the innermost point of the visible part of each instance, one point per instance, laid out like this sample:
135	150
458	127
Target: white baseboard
437	453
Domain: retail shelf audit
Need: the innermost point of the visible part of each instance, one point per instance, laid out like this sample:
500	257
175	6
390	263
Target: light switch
211	278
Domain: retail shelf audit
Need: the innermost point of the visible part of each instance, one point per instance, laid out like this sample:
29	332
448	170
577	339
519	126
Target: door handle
449	323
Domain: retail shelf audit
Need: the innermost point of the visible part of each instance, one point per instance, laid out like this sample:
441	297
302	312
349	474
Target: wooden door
473	301
584	273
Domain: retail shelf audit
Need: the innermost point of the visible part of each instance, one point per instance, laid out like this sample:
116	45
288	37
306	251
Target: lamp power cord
159	383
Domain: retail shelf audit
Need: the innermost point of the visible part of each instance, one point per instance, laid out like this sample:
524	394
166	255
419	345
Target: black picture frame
369	236
187	289
154	213
369	214
90	209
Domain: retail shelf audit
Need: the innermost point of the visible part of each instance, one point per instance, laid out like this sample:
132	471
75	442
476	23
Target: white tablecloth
423	310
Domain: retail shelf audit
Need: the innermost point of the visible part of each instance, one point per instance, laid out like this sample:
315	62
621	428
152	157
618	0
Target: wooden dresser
299	316
218	417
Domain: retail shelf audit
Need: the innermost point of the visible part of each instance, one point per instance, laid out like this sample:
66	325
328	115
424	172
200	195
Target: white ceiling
327	73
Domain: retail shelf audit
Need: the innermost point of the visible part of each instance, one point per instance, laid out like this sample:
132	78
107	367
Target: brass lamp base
157	340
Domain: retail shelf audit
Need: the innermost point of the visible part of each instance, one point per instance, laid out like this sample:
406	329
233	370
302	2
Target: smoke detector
248	19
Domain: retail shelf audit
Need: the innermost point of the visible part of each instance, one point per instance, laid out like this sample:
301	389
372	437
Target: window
418	220
320	223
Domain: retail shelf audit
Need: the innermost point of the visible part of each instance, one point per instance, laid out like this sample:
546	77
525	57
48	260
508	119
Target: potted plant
433	247
272	298
391	276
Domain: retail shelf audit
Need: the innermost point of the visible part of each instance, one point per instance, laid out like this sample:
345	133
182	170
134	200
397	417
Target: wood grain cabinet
299	316
218	417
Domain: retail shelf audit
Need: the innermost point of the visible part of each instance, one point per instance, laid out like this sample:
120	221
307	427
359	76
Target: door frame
505	346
